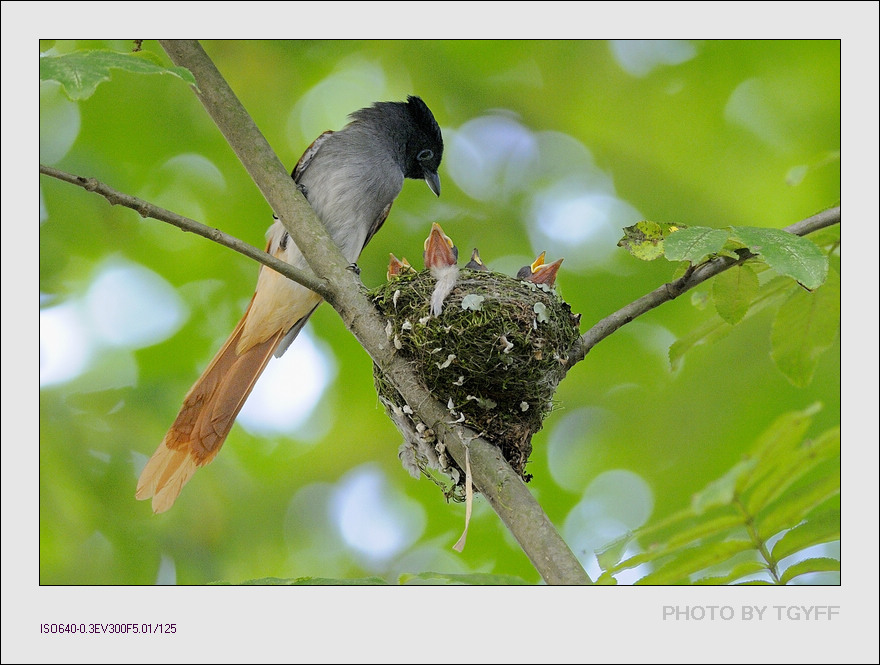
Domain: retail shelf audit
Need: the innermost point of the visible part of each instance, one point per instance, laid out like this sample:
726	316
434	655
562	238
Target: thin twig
146	209
672	290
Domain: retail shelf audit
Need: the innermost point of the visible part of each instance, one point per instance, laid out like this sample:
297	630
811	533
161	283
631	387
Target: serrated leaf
775	444
694	243
742	570
817	530
783	435
606	579
817	565
81	72
720	492
464	578
805	327
787	253
694	560
714	527
611	554
802	461
733	291
795	505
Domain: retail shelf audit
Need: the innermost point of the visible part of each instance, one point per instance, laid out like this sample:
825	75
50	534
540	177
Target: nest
494	357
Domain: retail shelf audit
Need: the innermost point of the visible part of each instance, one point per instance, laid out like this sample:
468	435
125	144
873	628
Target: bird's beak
546	274
539	273
398	267
433	181
439	249
476	263
538	262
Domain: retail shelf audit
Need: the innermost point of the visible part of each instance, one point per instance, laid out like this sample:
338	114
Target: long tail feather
208	412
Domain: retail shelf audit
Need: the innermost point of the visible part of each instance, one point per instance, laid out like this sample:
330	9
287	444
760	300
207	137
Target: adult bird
350	178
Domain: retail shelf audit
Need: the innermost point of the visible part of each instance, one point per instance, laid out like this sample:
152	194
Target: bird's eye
425	155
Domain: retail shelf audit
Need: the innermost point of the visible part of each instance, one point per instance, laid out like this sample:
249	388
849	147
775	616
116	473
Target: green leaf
805	327
775	445
733	291
826	238
710	528
683	537
817	530
721	491
794	506
81	72
464	578
694	560
717	328
606	579
817	565
611	554
316	581
788	254
694	243
644	240
711	331
798	464
739	571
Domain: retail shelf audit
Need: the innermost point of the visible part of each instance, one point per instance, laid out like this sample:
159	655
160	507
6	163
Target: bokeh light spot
372	518
65	347
289	388
639	57
59	123
131	306
491	157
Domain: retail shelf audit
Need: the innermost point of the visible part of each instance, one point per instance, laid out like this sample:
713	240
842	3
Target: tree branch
501	486
146	209
672	290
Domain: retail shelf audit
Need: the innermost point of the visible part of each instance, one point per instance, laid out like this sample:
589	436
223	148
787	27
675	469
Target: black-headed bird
350	178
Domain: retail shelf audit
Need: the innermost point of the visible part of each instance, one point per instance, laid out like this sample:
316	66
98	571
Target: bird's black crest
423	118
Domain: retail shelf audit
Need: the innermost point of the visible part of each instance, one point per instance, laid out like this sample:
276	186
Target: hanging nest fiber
494	356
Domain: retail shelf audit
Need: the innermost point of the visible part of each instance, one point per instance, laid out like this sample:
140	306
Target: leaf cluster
767	260
751	525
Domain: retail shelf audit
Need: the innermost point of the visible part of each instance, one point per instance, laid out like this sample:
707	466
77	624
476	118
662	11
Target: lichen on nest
494	356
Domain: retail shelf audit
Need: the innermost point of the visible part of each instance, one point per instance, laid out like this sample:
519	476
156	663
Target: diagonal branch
667	292
501	486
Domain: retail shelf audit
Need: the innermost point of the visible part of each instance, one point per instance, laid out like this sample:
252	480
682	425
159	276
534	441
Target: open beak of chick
441	258
398	267
539	272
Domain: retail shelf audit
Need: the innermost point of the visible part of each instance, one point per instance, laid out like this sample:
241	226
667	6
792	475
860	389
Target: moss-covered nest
494	356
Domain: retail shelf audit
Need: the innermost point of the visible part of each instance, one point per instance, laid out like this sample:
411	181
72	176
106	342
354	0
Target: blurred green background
549	146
